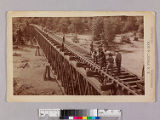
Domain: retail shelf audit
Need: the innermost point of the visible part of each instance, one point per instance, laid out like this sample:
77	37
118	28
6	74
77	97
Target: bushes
103	28
141	31
107	27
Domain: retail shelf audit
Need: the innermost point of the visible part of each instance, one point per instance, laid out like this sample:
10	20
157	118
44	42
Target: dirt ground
29	71
133	56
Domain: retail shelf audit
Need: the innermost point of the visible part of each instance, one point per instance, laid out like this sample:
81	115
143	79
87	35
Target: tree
97	28
109	30
130	24
78	24
63	25
140	24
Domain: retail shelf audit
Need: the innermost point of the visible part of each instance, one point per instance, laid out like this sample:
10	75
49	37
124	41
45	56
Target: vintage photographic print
81	56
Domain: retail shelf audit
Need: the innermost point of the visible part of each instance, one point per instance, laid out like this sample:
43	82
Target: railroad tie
81	64
91	73
71	58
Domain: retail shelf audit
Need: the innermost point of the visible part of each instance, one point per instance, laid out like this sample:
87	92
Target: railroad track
127	80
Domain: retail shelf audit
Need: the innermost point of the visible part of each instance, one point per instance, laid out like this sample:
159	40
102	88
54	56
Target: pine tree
98	30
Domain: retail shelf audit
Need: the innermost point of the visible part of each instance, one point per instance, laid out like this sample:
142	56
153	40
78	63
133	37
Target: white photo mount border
149	58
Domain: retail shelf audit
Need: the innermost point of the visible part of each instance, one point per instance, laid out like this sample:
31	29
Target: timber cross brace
79	75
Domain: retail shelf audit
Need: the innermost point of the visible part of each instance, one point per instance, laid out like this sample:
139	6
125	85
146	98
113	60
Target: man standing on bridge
118	62
63	38
62	49
102	58
110	63
63	41
91	48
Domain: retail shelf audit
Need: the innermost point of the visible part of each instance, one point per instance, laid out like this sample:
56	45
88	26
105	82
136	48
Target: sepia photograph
86	56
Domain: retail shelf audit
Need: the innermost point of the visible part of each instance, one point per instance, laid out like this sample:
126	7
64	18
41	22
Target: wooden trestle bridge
77	72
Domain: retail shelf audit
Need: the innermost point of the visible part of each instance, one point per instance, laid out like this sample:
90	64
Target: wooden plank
133	82
131	78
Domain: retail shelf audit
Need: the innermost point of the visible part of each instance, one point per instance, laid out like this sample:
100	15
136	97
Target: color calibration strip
79	117
76	114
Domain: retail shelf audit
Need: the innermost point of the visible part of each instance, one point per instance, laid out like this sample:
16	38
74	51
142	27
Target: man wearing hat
118	62
63	38
110	62
91	48
102	58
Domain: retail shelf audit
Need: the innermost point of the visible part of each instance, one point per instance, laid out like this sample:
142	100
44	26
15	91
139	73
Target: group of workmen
106	60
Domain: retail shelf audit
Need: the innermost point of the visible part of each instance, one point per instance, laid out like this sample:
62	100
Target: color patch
97	117
89	117
75	117
79	117
71	117
66	117
85	117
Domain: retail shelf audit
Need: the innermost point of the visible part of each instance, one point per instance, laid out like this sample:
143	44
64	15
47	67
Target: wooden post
37	51
47	73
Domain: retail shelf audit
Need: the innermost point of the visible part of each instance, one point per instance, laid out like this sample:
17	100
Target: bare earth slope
28	74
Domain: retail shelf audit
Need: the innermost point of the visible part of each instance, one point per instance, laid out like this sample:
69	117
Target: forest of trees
100	27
